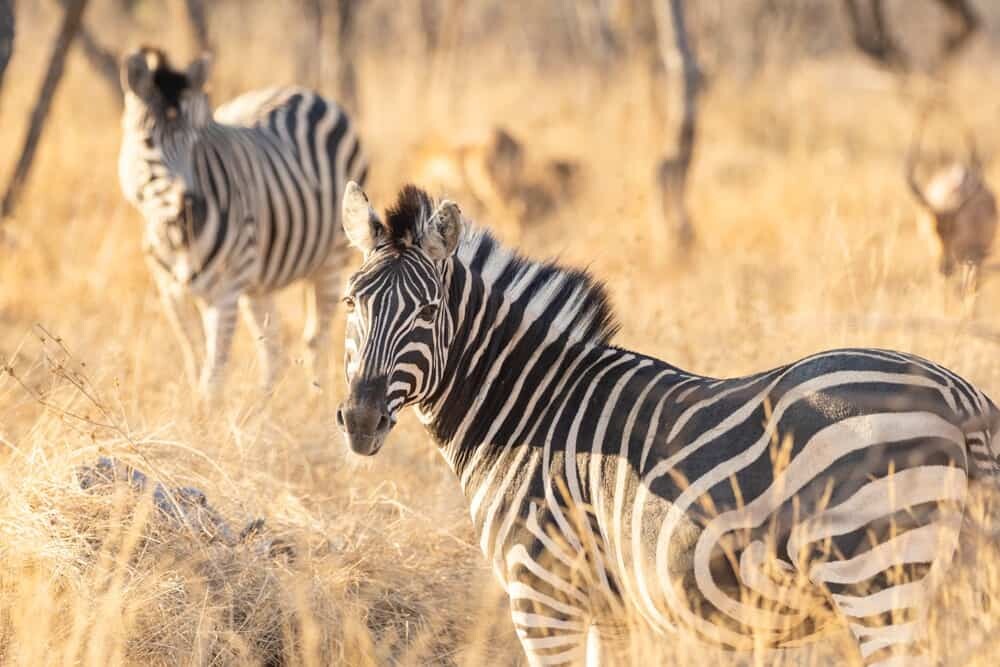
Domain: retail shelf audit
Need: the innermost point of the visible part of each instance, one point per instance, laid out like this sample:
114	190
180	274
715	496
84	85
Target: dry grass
807	241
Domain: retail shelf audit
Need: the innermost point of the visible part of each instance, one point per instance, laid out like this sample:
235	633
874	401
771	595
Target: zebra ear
443	230
361	223
199	70
136	76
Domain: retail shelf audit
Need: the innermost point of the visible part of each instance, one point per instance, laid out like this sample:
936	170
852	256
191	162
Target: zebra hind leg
884	592
262	318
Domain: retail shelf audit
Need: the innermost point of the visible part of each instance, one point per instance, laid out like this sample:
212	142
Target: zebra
237	205
603	483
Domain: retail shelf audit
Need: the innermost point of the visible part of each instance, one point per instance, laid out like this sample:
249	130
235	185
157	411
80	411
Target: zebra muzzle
365	423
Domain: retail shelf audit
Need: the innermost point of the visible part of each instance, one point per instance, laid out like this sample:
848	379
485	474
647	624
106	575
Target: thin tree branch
198	21
6	35
71	22
104	62
312	59
100	59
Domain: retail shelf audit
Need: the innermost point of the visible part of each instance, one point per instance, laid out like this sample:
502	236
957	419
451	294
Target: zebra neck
176	147
185	232
170	147
518	328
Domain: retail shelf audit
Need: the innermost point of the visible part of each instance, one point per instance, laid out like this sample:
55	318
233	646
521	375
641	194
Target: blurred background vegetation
805	238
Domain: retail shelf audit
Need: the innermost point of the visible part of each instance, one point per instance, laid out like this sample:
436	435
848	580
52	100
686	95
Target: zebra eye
428	312
348	304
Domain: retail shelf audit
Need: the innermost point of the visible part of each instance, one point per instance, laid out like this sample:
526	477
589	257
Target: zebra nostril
340	417
383	423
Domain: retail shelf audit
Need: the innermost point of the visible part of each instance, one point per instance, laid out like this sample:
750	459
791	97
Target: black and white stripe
605	484
237	205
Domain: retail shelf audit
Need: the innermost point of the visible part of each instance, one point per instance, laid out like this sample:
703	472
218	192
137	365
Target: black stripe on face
386	329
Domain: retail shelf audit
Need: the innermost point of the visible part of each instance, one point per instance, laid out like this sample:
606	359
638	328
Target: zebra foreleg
549	614
262	318
219	320
322	294
173	302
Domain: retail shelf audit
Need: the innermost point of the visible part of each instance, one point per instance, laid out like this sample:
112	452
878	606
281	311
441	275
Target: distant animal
498	177
237	205
960	212
604	483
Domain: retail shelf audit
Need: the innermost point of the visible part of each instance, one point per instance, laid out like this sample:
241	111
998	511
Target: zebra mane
586	314
168	81
405	221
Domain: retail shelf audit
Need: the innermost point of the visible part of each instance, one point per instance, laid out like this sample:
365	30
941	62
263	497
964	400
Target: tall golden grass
807	240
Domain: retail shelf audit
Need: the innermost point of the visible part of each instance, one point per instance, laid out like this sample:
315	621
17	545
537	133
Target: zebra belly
657	563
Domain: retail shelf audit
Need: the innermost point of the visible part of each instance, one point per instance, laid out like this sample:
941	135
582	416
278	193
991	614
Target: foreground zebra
237	205
604	483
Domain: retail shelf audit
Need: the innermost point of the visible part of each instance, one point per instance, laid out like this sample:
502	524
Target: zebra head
398	327
159	96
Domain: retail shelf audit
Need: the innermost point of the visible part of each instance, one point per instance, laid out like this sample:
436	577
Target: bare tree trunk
6	35
347	80
312	59
672	171
72	19
439	74
313	56
596	31
430	24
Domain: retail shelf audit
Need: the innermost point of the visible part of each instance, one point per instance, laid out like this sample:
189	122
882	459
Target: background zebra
237	205
605	484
